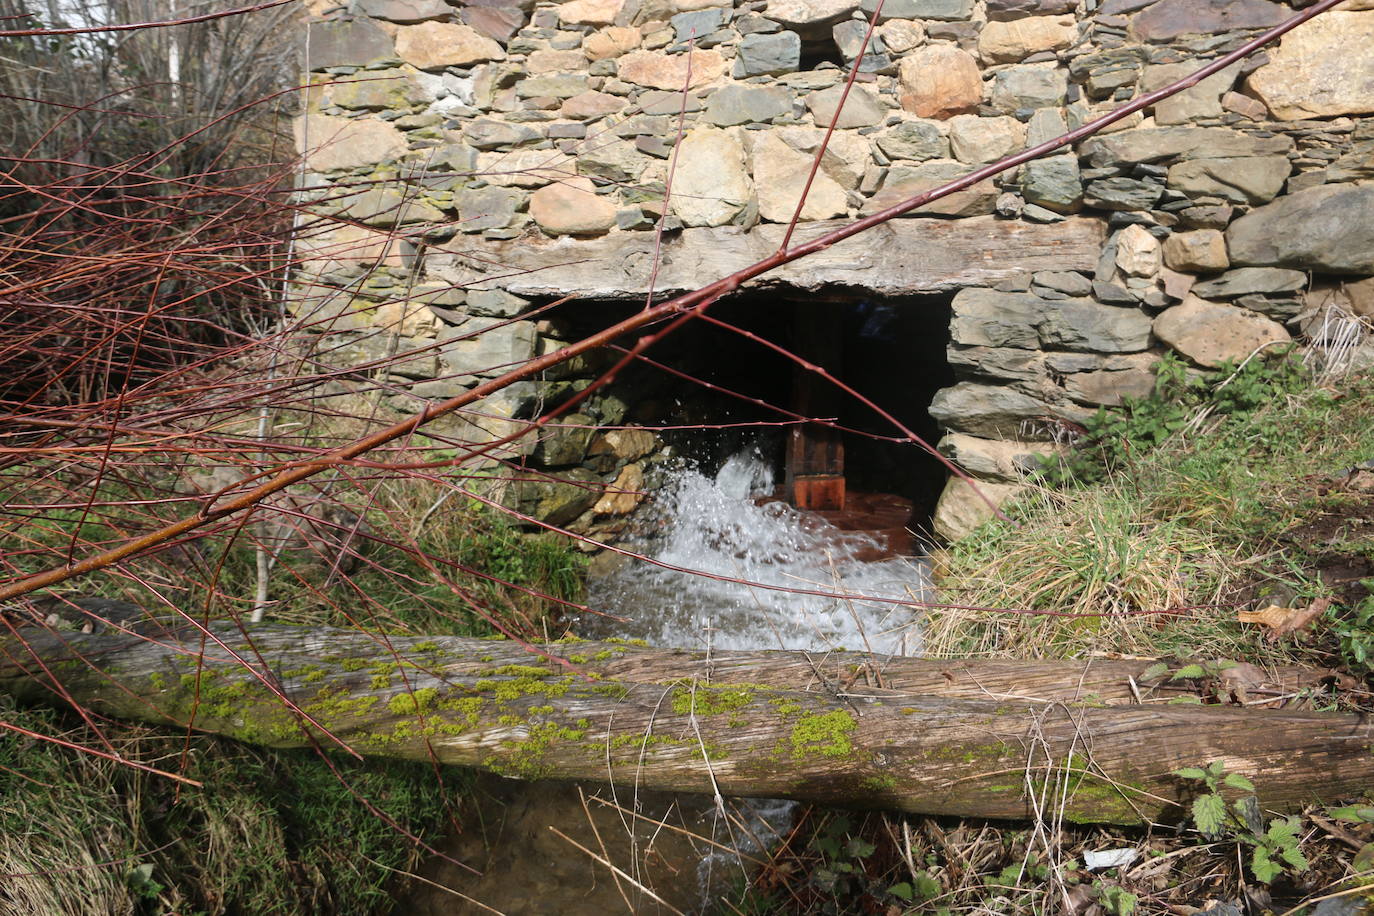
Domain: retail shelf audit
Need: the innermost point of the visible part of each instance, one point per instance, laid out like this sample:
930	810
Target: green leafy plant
1274	849
1181	395
1355	632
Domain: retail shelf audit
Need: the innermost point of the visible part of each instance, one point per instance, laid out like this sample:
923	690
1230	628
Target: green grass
270	832
1193	525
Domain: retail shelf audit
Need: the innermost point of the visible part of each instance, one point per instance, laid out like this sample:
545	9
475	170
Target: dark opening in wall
817	51
713	391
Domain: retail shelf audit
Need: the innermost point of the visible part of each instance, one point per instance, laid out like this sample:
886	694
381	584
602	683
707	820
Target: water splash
714	526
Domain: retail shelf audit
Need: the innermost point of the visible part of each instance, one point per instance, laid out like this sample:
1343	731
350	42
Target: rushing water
714	528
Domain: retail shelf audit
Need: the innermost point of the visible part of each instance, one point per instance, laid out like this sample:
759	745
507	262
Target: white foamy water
711	525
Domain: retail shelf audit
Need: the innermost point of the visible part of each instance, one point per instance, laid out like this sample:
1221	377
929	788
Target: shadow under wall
713	391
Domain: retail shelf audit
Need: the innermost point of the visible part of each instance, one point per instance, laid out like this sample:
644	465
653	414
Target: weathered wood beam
971	737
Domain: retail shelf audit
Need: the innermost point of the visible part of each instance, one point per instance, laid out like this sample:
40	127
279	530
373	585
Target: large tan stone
589	12
624	495
1137	252
1210	333
436	45
999	460
711	184
670	71
978	140
780	174
546	61
331	143
938	81
1003	42
1199	251
964	506
572	207
611	42
588	106
346	247
1323	68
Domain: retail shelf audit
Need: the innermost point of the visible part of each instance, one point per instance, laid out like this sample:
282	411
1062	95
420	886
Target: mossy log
991	738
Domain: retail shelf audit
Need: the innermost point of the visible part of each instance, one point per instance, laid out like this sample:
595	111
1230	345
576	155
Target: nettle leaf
1209	814
1154	672
1284	831
901	890
1188	672
1237	781
1294	857
1191	773
1265	868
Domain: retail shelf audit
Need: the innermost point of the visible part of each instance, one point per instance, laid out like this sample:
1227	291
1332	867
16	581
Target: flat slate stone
1245	280
1170	19
1328	229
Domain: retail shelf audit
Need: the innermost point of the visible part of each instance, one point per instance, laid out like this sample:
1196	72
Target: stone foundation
466	163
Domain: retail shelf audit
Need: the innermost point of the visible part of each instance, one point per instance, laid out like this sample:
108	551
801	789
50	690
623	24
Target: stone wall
467	162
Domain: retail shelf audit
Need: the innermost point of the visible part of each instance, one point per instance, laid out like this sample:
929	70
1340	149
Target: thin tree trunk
991	738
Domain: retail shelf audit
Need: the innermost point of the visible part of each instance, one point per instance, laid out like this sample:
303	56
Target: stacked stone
433	130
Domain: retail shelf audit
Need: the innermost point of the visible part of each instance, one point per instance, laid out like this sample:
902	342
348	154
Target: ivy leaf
1237	781
1209	814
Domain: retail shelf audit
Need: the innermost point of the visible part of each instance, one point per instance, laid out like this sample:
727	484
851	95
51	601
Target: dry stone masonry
466	162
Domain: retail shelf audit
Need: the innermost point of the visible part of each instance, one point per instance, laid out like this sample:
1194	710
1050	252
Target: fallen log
989	738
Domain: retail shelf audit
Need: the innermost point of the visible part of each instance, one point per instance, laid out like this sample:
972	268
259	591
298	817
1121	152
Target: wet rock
624	495
938	81
1122	194
1053	182
670	71
1321	69
963	507
1248	180
1199	251
1082	324
1028	86
351	43
1004	42
1328	228
589	12
1169	19
767	55
436	45
711	185
565	443
572	207
1137	252
861	107
744	104
1247	280
978	140
559	499
914	140
1210	333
